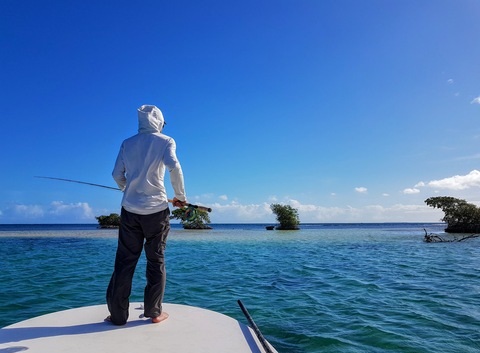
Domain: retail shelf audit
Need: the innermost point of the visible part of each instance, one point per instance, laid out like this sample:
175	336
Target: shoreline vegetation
111	221
192	218
459	215
196	218
460	218
437	227
286	216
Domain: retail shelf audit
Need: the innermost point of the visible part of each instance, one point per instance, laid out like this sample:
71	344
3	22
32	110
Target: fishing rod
79	182
260	337
202	208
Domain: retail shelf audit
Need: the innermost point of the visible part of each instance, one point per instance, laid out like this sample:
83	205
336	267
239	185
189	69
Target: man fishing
139	172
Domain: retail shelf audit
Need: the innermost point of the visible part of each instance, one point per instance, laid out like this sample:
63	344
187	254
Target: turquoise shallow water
325	288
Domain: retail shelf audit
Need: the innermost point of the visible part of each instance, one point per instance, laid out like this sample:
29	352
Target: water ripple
332	290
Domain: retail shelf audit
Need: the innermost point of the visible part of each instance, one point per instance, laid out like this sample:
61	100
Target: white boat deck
83	330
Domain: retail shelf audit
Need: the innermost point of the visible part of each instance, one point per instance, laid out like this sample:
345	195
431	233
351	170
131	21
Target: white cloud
198	198
235	212
371	213
361	190
410	191
450	81
385	194
57	211
457	182
475	100
223	197
80	210
27	211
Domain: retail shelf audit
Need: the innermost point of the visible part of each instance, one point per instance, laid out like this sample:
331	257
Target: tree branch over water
435	238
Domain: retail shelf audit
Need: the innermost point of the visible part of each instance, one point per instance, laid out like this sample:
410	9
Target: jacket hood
150	119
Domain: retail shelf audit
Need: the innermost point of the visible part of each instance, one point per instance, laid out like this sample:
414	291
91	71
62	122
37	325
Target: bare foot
109	320
163	316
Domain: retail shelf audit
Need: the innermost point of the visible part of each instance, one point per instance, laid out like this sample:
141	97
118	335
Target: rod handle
202	208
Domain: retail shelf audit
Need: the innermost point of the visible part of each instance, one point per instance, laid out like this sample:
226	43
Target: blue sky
348	110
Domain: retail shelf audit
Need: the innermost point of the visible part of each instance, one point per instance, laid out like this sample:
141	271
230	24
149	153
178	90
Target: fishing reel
190	213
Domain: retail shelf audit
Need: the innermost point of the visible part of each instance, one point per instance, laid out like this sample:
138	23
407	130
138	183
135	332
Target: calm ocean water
345	288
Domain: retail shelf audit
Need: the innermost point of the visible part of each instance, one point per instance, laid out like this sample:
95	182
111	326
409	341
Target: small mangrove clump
287	216
192	218
111	221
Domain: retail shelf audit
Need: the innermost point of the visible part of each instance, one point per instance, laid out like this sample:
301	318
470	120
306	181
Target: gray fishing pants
137	232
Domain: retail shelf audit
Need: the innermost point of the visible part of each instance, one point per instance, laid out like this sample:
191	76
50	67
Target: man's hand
177	203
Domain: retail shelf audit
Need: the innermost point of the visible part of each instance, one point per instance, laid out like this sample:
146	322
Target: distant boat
270	227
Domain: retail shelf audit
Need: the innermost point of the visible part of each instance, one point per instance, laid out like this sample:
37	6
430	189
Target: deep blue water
325	288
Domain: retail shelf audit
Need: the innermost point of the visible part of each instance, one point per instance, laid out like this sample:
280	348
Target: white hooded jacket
141	163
